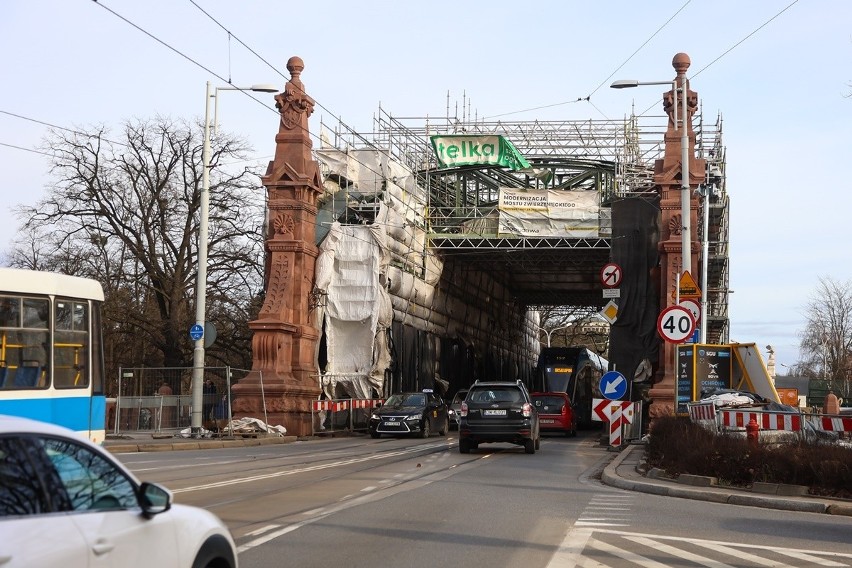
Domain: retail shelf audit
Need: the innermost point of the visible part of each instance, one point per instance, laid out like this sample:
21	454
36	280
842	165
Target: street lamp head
624	84
264	88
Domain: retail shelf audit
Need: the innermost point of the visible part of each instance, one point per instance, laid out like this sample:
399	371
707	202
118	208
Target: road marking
262	530
631	557
743	555
288	472
569	550
677	552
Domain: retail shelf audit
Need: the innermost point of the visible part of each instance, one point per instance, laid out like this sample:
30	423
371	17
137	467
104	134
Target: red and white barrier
766	420
834	424
701	411
366	403
331	405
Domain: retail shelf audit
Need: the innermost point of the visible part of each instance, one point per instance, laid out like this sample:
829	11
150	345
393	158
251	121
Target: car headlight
451	411
414	417
375	416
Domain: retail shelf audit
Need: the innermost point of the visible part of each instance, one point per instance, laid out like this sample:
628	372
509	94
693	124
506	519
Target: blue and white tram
51	350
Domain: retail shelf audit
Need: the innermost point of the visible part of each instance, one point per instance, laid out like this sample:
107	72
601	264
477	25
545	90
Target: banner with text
549	213
455	150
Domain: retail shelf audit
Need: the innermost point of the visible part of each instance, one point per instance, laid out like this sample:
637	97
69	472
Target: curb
123	448
610	476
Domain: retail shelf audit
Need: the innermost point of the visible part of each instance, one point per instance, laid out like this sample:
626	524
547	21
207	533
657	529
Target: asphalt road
362	502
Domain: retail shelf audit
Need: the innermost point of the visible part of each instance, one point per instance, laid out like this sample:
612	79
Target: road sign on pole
613	385
196	332
675	324
611	275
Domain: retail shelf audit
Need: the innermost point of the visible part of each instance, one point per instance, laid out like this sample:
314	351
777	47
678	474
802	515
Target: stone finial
295	65
681	63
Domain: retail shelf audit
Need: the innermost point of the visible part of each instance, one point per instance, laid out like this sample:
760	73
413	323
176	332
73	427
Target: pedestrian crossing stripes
612	548
607	510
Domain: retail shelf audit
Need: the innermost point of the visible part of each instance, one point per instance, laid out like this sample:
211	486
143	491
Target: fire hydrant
752	432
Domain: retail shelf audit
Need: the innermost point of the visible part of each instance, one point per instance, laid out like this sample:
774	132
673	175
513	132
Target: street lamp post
685	197
548	332
203	231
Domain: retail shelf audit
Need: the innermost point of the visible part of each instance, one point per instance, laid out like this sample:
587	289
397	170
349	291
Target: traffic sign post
676	324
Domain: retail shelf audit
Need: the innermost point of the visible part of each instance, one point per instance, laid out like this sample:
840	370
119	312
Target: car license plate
493	412
547	421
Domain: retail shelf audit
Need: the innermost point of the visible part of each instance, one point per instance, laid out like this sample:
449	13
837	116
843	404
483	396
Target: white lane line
262	530
569	550
284	473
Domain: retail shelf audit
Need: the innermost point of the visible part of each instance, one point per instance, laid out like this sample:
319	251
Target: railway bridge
421	254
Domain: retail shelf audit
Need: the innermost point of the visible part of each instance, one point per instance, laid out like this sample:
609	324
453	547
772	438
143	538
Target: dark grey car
498	412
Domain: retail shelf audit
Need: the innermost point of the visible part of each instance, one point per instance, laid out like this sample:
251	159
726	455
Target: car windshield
549	404
496	394
406	400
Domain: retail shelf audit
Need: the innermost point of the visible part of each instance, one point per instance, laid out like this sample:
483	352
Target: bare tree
127	213
826	342
569	326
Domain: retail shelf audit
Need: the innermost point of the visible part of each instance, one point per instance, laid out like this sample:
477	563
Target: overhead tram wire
367	143
57	127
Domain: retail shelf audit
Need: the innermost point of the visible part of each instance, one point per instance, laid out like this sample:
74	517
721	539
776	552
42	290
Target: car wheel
425	432
374	434
443	431
529	446
464	446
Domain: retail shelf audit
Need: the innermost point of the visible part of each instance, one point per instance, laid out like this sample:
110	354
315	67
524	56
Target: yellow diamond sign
610	312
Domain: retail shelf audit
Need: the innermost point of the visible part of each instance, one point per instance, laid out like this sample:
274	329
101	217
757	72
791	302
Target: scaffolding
616	158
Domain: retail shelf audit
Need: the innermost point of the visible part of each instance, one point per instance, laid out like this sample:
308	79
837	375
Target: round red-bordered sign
676	324
611	275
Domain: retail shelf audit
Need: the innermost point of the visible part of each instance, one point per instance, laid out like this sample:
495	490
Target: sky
779	72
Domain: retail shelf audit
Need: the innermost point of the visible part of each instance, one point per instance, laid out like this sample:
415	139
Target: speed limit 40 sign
676	324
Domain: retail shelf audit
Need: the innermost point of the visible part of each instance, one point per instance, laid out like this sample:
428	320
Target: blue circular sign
196	332
613	385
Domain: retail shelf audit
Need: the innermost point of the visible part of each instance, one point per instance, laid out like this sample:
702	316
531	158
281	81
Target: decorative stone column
667	177
285	339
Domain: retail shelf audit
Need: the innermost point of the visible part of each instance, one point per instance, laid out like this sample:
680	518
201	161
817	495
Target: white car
66	502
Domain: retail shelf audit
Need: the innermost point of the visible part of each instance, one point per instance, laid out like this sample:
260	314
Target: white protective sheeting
351	267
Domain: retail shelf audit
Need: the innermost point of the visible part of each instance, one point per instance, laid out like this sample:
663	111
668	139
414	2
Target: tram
573	370
51	350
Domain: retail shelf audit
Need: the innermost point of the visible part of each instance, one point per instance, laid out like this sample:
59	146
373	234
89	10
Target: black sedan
411	413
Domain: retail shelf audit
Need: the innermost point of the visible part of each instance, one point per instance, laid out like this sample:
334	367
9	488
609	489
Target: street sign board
613	385
611	275
610	311
612	292
688	287
196	332
675	324
693	307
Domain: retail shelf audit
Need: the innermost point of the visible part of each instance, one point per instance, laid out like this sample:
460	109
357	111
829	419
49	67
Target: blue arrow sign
196	332
613	385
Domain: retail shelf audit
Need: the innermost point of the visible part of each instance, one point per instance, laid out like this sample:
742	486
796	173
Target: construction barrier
834	423
707	414
766	420
350	414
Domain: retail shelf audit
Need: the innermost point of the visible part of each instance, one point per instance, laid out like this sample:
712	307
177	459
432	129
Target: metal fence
159	399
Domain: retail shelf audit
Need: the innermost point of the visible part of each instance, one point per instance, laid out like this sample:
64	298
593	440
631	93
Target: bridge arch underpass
464	294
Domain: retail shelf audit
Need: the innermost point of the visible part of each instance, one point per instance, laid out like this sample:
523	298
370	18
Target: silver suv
498	412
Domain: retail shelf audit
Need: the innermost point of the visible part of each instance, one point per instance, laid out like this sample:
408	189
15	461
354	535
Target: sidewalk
623	473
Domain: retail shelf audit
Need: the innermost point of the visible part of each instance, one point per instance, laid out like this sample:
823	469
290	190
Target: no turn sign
675	324
611	275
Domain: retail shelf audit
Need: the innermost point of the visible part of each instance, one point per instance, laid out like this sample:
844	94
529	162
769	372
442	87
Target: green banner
465	150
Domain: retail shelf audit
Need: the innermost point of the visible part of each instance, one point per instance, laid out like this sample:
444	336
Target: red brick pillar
667	177
285	336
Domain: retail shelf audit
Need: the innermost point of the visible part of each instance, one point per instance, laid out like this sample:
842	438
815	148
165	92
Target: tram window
36	313
71	347
10	312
